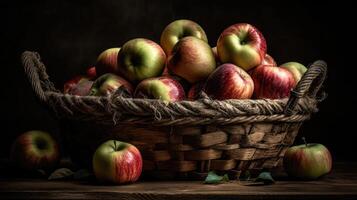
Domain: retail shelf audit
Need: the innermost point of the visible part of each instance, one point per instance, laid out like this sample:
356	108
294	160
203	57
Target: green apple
307	161
164	88
179	29
243	45
107	84
192	59
35	150
140	59
296	69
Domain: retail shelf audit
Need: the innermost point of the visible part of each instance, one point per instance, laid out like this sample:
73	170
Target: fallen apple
35	150
307	161
117	162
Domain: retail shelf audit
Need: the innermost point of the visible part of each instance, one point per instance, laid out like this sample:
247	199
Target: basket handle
309	85
36	74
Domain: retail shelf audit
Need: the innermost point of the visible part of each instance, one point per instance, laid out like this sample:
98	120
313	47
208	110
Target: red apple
140	59
107	84
164	88
83	88
268	60
307	161
192	59
243	45
91	73
195	90
216	57
179	29
35	150
73	82
272	82
117	162
107	62
229	81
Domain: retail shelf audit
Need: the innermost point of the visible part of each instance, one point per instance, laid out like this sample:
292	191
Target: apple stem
303	138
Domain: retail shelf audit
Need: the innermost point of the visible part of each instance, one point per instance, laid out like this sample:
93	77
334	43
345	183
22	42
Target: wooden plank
340	184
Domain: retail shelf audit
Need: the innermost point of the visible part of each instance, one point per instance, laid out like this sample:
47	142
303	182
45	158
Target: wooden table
341	184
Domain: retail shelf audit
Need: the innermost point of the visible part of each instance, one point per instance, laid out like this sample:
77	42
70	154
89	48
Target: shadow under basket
185	139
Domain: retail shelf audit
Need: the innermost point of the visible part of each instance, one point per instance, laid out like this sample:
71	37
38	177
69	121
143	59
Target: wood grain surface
340	184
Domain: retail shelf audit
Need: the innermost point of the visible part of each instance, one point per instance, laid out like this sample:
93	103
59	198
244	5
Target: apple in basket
107	84
164	88
195	90
35	150
272	82
68	85
117	162
140	59
268	60
177	30
243	45
107	62
192	59
307	161
83	88
91	73
229	81
297	69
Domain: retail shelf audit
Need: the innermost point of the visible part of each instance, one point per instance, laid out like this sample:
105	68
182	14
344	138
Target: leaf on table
266	178
61	173
245	176
82	174
213	178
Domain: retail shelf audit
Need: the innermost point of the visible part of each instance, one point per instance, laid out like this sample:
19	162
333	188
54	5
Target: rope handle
36	74
309	85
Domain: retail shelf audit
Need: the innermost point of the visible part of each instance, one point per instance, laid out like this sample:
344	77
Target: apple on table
117	162
307	161
35	149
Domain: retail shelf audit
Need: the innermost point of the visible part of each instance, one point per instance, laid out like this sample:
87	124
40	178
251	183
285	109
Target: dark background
70	34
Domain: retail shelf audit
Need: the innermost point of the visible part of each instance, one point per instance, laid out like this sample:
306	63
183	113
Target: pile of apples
184	64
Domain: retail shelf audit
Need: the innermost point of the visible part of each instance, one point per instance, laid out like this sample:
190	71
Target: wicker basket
187	138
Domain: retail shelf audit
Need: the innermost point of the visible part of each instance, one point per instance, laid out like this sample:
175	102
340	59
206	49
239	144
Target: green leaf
82	174
61	173
266	178
245	176
213	178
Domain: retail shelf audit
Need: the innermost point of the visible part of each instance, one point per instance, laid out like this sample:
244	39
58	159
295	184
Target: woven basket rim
119	109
